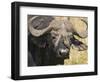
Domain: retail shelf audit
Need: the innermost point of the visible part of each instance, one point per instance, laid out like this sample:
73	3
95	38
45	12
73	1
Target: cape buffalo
50	39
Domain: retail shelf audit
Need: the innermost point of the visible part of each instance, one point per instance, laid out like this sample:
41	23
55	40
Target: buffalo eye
53	37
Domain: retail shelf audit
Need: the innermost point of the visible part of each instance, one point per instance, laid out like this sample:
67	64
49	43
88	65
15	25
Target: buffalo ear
78	44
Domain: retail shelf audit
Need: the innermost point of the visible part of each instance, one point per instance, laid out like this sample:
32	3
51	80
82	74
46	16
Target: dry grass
77	57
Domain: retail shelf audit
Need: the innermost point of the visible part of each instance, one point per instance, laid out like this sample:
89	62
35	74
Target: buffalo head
57	33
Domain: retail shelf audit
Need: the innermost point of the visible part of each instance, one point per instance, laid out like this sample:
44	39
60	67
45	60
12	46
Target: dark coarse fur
42	54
